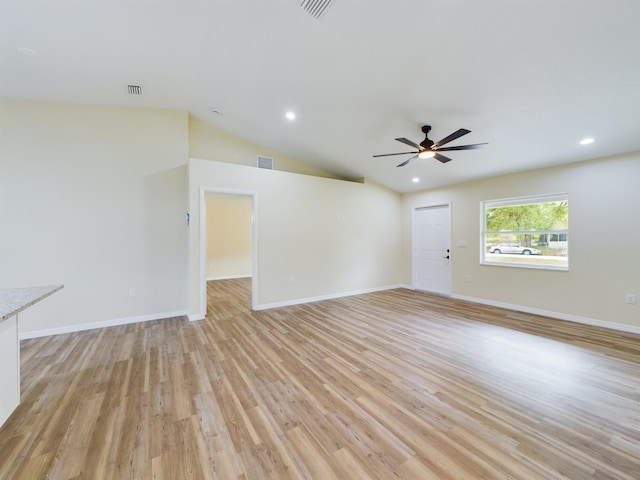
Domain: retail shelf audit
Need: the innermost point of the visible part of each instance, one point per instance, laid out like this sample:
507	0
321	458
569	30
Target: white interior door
431	249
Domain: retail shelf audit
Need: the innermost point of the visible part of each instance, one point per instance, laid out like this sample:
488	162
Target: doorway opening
228	247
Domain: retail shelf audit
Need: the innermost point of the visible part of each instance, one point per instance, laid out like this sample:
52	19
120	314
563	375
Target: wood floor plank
389	385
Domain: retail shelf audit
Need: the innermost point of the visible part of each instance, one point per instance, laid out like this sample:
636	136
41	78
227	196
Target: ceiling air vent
265	162
134	89
315	8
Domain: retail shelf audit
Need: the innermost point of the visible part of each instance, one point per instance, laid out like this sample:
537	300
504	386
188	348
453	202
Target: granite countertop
14	300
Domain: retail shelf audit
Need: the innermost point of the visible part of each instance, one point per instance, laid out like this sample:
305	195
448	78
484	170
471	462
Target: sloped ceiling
532	78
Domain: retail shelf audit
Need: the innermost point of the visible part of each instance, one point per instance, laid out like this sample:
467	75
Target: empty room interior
320	239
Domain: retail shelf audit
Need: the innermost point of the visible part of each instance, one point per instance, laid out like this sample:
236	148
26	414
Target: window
530	232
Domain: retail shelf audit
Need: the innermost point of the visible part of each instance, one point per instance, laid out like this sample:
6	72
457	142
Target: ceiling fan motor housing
426	143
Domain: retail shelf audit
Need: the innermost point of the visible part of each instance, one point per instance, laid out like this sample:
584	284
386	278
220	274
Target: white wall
211	143
94	198
333	237
229	235
604	263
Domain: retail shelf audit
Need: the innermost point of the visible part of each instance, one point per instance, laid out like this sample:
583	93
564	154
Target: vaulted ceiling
531	78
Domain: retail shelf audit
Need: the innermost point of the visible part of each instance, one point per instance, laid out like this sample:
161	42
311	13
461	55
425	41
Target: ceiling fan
428	149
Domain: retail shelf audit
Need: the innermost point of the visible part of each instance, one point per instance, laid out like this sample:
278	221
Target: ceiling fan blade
462	147
441	158
407	161
406	141
451	138
391	154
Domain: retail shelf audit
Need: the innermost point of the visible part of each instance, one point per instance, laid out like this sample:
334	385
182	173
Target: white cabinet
10	367
12	301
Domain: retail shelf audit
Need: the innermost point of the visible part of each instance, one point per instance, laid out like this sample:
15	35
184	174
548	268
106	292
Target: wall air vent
315	8
265	162
134	89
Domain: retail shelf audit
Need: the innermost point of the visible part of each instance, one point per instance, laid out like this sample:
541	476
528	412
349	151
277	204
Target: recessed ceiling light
415	179
586	141
291	116
27	52
426	154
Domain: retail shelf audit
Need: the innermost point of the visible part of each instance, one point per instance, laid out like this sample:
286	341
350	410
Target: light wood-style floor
389	385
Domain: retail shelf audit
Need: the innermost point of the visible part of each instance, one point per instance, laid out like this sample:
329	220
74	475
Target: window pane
536	216
527	232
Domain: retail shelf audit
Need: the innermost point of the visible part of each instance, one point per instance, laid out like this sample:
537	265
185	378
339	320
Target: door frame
203	244
413	246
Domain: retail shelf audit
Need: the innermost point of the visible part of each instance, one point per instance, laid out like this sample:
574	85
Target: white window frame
527	200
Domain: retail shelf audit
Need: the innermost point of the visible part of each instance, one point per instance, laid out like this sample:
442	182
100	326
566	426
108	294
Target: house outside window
528	232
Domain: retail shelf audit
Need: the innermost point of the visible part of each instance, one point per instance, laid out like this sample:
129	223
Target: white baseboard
298	301
229	277
546	313
106	323
198	316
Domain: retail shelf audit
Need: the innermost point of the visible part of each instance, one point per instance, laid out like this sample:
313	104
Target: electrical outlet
467	278
132	292
292	280
631	298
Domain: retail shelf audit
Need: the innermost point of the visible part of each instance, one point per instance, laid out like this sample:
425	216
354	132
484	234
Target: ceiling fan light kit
428	149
